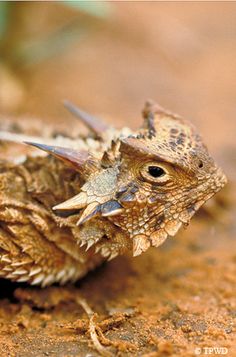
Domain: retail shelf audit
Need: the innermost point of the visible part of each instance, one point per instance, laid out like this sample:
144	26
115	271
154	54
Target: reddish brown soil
170	300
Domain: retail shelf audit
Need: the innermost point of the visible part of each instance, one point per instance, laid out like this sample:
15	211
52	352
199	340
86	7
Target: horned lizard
90	199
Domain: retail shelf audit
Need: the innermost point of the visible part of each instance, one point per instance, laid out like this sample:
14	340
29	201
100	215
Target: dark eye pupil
156	171
200	165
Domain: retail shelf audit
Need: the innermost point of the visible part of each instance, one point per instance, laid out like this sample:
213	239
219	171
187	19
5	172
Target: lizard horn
107	209
149	117
81	161
96	125
151	108
90	211
111	208
77	202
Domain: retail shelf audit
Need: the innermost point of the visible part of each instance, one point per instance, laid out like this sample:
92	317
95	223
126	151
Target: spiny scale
76	202
96	125
80	160
112	201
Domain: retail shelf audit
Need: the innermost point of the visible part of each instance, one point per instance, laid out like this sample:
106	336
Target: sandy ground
176	300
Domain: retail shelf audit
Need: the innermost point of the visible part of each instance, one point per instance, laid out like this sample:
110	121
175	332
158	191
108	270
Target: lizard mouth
220	180
208	190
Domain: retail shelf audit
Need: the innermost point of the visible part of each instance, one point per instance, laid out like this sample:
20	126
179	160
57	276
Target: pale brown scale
91	199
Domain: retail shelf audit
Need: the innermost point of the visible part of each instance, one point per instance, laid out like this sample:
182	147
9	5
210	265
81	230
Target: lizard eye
156	171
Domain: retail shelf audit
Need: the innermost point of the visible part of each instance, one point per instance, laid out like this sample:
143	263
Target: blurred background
109	57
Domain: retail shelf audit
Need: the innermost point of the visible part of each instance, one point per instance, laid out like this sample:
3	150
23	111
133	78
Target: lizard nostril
200	164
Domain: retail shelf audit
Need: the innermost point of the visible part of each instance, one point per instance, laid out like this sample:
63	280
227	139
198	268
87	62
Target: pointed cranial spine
97	126
77	202
90	211
81	161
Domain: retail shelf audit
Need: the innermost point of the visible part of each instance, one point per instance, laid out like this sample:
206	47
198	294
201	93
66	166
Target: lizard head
166	174
149	183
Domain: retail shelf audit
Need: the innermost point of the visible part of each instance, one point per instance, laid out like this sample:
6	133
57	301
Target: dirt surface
176	300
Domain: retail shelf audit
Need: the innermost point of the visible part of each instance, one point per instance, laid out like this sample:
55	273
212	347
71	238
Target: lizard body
92	199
